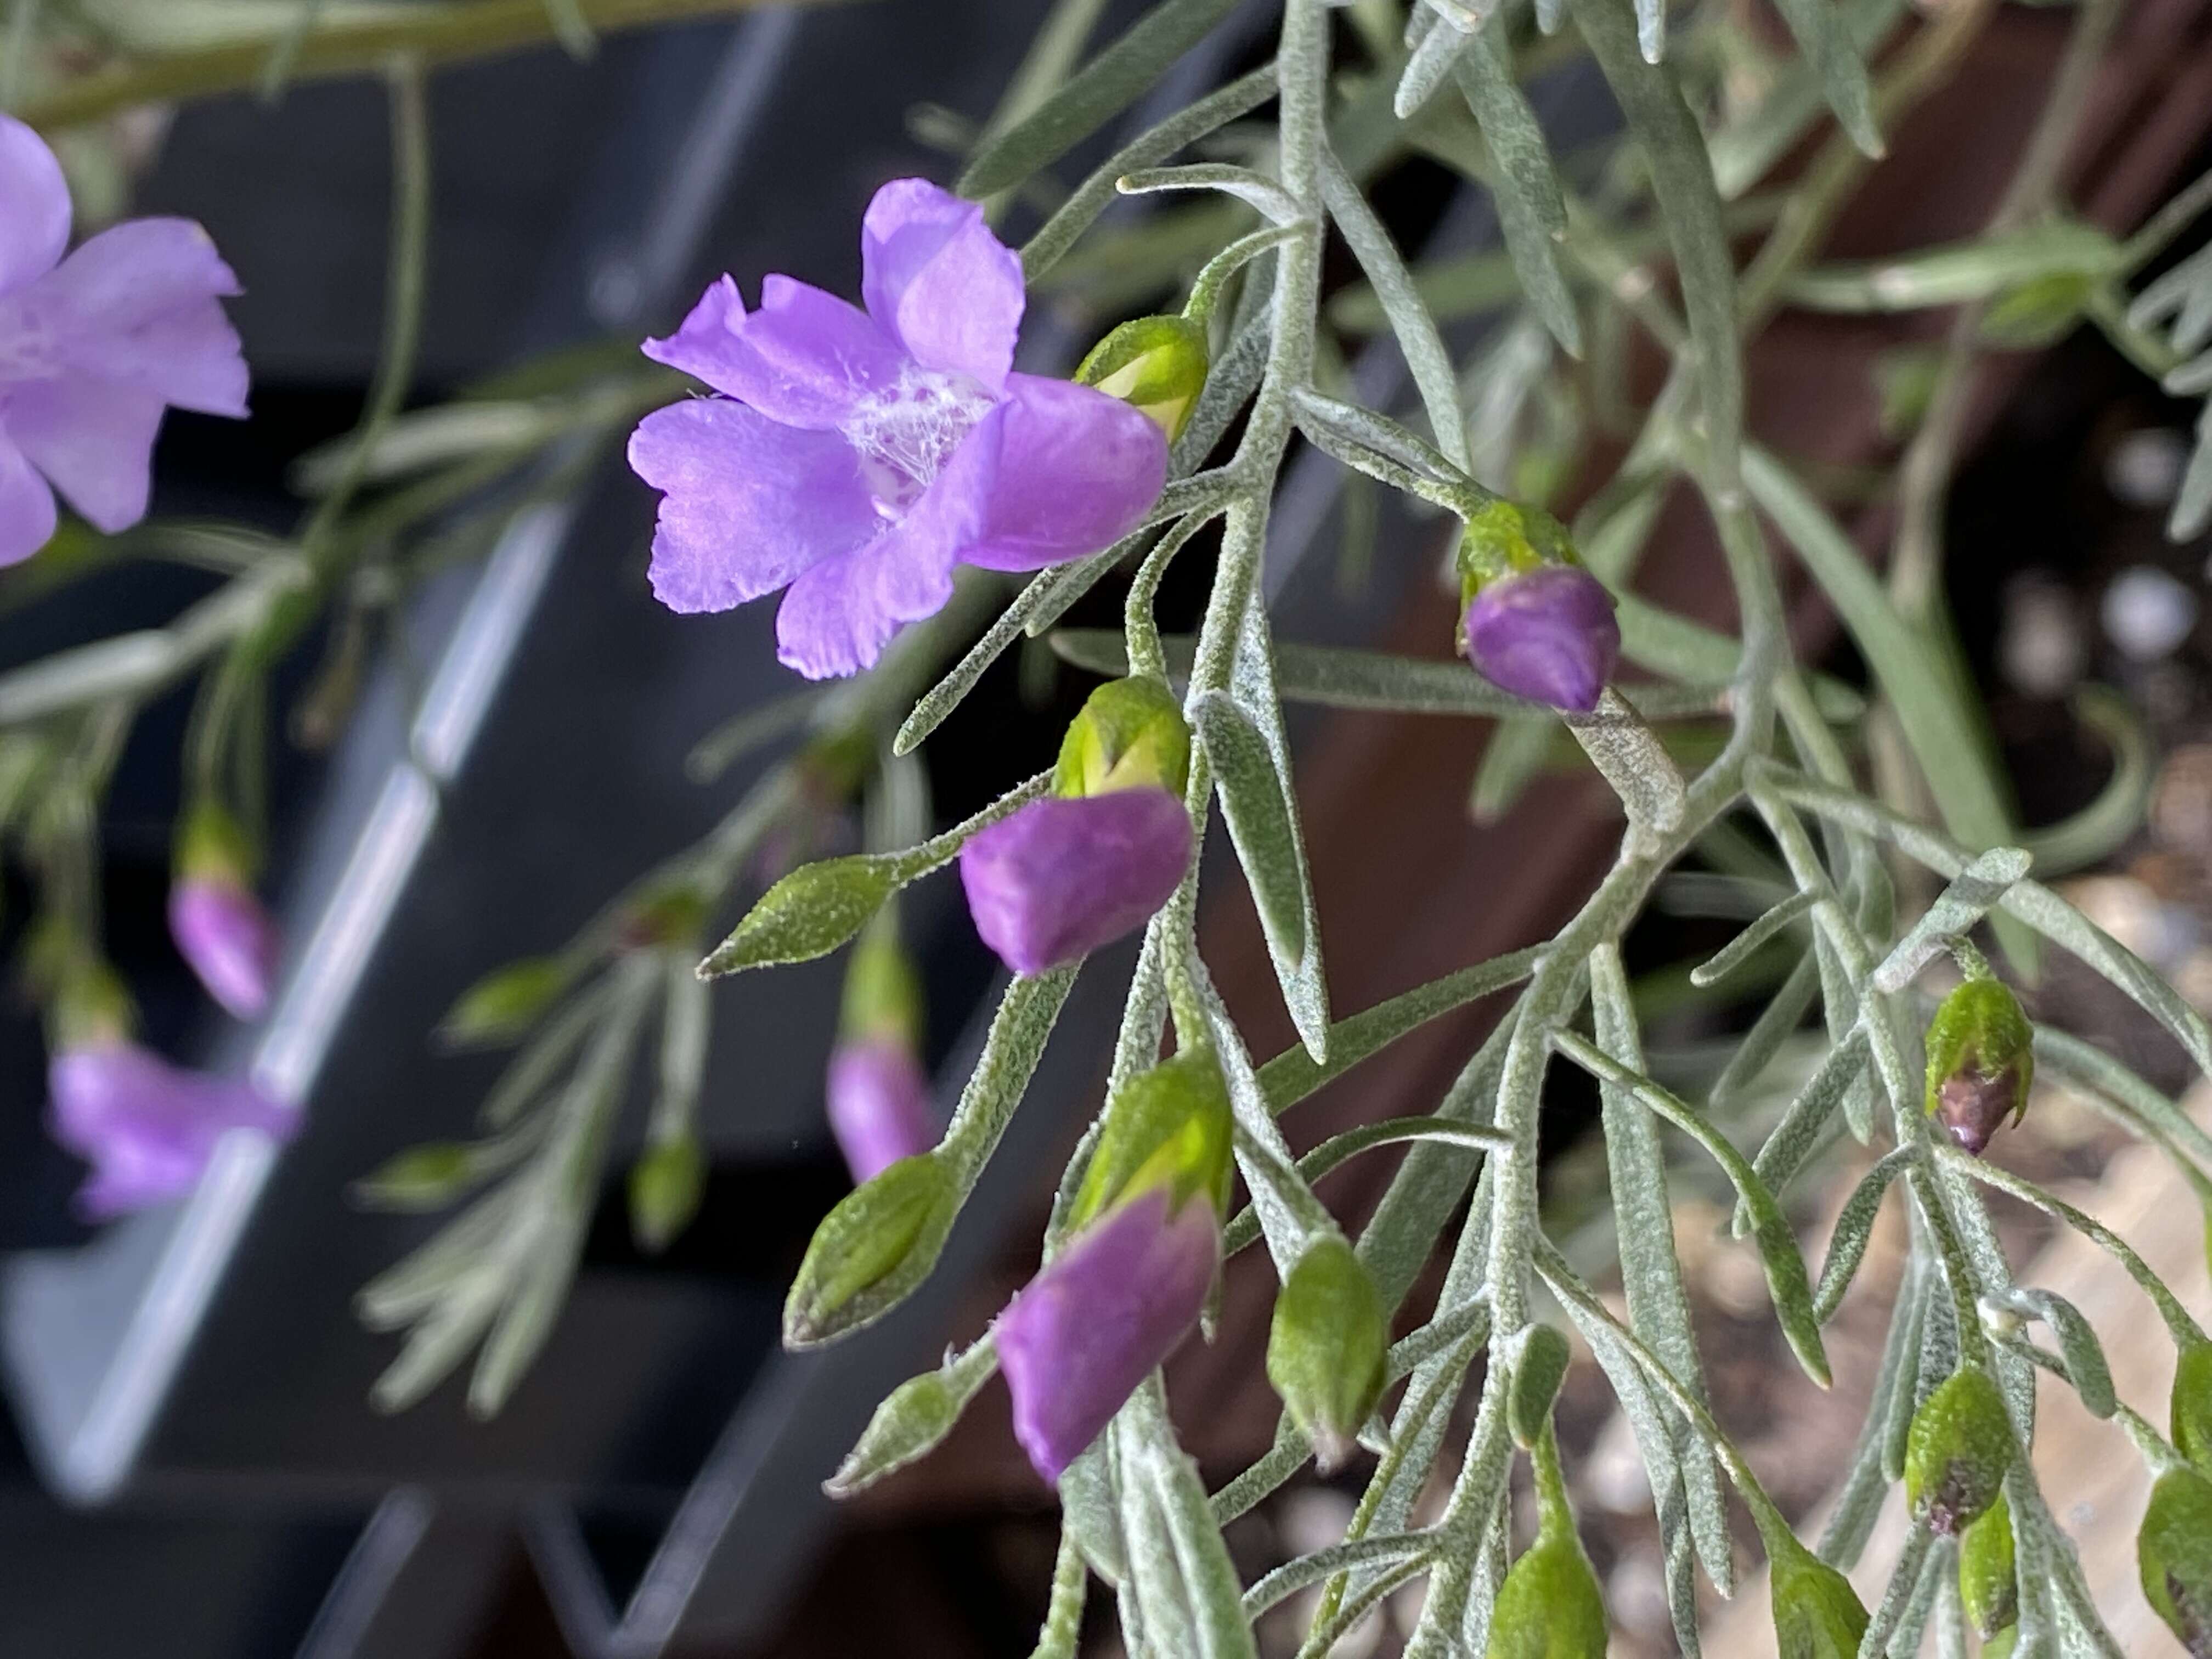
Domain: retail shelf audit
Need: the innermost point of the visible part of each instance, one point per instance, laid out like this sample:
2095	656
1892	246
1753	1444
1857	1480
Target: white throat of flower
905	433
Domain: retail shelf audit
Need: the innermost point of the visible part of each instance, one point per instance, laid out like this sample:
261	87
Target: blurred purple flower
93	348
1115	1302
879	1107
1547	635
857	456
228	937
1064	876
146	1127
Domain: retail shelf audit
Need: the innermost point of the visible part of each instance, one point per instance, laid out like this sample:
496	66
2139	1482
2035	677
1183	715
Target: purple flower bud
879	1107
228	939
1063	876
1547	634
1111	1306
147	1128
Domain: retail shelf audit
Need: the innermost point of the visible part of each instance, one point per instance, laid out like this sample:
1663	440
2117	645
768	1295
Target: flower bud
1327	1348
1535	623
875	1246
2190	1420
913	1419
2173	1551
1817	1613
1980	1062
220	928
1061	878
879	1104
664	1186
1549	1606
425	1177
1988	1582
1130	735
1957	1450
505	1002
1157	364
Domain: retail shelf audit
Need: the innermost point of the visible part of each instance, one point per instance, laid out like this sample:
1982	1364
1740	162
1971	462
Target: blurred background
191	1465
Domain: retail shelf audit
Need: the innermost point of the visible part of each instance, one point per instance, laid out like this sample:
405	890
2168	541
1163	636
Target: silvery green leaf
1292	1576
1516	753
1743	151
1777	1023
1740	949
1459	285
2192	507
1854	1227
527	1317
1243	1228
1097	192
1430	63
2100	828
2181	297
1096	92
1633	761
1354	428
1969	898
1090	1509
1530	209
1903	1597
1809	1123
2078	1347
1958	272
1062	1630
2092	1070
1011	1049
1410	322
1824	33
1254	189
1866	1483
1252	799
1211	1599
913	1417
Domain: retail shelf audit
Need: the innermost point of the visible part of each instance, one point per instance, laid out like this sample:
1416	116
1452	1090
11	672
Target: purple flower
1111	1306
1064	876
224	933
93	348
856	456
1547	635
879	1107
146	1127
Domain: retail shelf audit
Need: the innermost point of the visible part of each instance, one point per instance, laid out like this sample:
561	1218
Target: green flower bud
2190	1415
883	993
879	1241
212	845
1957	1451
1155	365
664	1186
913	1419
1168	1126
1549	1606
1817	1613
672	913
1327	1348
809	913
90	1008
2038	311
1130	735
1988	1581
425	1177
1979	1062
505	1002
1507	538
2173	1550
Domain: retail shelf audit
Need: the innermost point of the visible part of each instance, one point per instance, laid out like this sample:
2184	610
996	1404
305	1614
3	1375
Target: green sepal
883	993
1981	1060
665	1187
505	1002
212	845
809	913
2173	1553
1170	1127
1130	735
89	1006
870	1251
1989	1580
1817	1613
1506	539
1957	1451
1327	1347
1155	365
1550	1606
2190	1417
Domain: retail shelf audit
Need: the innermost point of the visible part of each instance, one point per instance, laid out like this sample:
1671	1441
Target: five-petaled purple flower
147	1127
222	931
93	347
1066	875
856	457
1092	1325
879	1106
1547	634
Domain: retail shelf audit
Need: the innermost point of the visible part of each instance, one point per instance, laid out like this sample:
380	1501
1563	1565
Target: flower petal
1113	1304
1065	876
140	305
1077	470
221	930
839	616
804	358
147	1128
936	278
34	205
27	506
750	504
94	441
879	1107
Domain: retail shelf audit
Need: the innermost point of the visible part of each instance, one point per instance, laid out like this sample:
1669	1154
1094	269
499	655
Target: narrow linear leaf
1971	895
1808	1123
1531	211
2086	1367
2100	828
1259	821
1824	33
1854	1227
1740	949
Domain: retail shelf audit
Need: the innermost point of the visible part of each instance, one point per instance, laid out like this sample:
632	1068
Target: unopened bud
1157	364
1535	622
1980	1062
883	993
1327	1348
2190	1414
2173	1552
913	1419
1168	1128
1549	1606
506	1002
1989	1581
664	1186
879	1241
1817	1613
1957	1451
425	1177
1130	735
